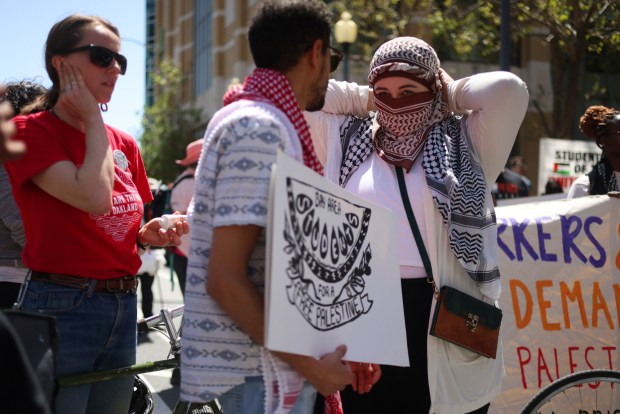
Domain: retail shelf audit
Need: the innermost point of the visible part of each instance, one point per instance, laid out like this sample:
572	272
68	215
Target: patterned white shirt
232	188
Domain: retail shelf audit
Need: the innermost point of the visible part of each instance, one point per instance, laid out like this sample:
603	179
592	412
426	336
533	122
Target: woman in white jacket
452	138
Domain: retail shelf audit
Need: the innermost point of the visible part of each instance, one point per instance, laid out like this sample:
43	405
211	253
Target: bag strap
181	178
402	186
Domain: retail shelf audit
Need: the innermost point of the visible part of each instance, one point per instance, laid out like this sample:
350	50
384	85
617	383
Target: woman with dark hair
80	188
445	141
601	124
12	237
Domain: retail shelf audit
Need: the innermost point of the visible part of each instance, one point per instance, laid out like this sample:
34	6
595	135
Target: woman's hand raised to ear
75	98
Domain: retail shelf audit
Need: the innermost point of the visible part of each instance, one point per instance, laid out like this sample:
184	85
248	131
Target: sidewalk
165	295
154	346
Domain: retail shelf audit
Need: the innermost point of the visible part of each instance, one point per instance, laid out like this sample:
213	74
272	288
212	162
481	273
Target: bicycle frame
109	374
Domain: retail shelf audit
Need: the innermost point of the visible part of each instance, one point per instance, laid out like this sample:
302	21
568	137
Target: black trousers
180	268
403	389
146	289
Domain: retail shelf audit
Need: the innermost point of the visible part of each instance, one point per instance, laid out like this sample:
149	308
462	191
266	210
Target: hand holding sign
332	273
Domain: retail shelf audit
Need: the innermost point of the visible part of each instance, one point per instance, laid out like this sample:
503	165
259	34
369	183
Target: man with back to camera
223	324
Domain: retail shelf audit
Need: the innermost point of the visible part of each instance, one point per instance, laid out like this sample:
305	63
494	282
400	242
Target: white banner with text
560	266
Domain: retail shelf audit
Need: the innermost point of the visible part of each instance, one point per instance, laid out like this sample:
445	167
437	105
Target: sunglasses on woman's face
102	56
334	59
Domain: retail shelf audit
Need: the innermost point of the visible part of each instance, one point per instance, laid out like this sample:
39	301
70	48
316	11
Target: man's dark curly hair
22	93
282	31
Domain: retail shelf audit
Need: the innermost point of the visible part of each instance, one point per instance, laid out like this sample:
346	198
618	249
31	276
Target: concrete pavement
154	346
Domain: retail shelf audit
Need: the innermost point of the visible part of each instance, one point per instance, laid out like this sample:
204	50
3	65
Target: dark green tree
168	125
583	35
579	32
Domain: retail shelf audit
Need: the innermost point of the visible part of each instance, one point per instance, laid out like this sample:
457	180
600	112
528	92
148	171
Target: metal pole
504	54
345	68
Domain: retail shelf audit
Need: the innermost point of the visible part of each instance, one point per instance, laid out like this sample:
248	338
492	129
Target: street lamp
345	32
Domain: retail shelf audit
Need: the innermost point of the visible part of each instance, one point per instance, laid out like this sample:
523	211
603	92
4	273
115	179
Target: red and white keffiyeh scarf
268	85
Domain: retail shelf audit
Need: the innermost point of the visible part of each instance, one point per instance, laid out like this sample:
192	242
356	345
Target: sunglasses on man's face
334	59
102	56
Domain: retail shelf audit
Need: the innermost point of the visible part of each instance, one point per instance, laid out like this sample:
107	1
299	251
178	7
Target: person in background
553	187
12	238
223	353
517	164
80	188
9	149
447	137
180	197
152	260
601	124
21	390
509	185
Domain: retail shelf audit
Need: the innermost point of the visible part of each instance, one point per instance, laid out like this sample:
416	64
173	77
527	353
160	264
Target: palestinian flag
561	168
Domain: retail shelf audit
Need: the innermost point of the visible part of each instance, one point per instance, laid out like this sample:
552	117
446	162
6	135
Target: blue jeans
249	398
97	331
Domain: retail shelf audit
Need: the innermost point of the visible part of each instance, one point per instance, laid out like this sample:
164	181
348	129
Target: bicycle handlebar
144	324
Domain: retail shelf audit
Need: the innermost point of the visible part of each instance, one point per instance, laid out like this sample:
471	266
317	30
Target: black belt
123	284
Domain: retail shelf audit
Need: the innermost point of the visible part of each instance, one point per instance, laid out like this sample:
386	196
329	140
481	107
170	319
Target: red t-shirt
61	238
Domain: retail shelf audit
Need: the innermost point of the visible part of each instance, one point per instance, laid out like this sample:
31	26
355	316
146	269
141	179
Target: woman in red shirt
80	188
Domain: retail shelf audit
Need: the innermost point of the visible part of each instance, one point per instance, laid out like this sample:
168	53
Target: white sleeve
346	98
579	187
341	100
182	195
496	103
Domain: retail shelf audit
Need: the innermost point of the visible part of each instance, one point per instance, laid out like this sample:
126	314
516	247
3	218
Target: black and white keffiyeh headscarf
450	162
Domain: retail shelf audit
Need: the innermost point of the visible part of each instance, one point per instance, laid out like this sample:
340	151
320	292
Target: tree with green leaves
168	126
582	35
579	31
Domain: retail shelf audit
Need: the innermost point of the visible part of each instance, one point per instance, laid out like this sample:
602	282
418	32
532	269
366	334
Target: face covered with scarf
408	98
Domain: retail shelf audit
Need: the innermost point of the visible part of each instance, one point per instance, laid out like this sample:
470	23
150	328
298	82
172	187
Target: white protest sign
560	266
333	272
564	160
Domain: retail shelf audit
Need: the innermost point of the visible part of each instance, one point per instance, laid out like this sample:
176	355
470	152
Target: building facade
207	40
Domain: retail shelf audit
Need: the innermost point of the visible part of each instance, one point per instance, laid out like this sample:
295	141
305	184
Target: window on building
204	46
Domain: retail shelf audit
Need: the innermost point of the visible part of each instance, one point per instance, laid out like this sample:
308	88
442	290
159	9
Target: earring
103	107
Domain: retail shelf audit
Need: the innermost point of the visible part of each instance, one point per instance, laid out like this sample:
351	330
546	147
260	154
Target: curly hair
281	32
595	121
19	94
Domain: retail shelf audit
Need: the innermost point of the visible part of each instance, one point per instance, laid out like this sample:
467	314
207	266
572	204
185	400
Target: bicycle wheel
584	392
141	400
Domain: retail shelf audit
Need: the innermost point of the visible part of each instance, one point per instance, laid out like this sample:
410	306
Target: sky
22	40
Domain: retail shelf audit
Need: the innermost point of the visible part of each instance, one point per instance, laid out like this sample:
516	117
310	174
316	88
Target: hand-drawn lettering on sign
325	238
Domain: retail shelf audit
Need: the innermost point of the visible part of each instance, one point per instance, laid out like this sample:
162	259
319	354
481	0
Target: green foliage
377	21
582	35
466	31
168	126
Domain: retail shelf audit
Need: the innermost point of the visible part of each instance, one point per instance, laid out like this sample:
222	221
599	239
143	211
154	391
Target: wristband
141	246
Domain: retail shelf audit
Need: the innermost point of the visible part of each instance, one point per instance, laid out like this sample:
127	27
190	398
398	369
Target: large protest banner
563	160
332	271
560	265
